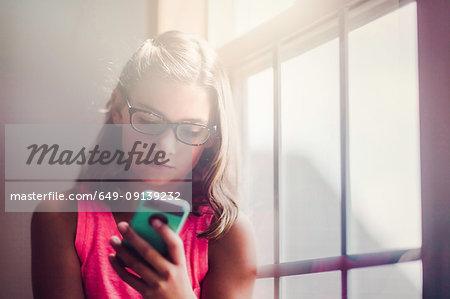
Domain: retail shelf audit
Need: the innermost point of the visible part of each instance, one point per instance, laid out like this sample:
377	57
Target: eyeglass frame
131	110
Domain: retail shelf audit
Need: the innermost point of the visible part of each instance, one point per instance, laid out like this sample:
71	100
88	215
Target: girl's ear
116	106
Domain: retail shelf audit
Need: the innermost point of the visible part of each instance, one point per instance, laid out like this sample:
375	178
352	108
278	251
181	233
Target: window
331	149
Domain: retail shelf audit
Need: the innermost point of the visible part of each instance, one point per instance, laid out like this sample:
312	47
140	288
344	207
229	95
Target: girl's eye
193	130
146	118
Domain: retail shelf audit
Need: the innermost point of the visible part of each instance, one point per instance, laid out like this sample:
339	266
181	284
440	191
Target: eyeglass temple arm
128	102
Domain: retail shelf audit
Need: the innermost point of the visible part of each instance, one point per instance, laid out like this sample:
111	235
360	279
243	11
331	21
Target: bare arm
55	264
232	263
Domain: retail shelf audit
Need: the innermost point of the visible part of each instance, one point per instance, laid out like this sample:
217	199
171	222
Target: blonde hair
186	59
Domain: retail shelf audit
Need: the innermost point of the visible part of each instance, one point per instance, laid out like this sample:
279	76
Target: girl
175	81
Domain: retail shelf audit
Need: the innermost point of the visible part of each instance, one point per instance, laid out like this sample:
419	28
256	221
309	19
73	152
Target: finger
175	246
126	276
134	263
148	253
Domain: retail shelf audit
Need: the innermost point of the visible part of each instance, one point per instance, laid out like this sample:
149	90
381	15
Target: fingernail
123	227
115	240
156	223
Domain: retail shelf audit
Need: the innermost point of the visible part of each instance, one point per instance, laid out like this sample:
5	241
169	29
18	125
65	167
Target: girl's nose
167	141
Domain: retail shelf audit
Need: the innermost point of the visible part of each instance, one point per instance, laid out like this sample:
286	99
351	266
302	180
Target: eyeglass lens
152	124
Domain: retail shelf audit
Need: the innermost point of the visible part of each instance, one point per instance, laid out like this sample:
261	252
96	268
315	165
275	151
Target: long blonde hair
187	59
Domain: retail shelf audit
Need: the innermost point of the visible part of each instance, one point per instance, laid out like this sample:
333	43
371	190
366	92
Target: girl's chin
149	172
157	173
153	177
160	186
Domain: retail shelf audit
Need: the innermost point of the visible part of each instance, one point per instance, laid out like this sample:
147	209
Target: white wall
58	62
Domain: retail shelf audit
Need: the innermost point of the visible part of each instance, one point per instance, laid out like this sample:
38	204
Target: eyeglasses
151	123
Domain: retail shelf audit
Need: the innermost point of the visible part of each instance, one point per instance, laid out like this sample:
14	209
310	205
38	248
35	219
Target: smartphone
171	212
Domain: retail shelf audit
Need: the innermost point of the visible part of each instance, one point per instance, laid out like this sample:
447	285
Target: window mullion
277	160
335	263
343	79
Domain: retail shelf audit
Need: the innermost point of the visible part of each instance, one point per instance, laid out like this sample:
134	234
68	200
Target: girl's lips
161	166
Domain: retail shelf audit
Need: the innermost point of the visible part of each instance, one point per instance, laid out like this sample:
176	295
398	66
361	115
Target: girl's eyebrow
151	109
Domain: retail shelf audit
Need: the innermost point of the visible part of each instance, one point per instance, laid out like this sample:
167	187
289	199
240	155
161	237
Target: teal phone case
173	212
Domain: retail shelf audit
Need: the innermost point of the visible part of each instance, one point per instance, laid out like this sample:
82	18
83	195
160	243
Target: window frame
262	48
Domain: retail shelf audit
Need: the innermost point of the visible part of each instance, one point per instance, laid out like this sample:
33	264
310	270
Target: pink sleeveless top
92	245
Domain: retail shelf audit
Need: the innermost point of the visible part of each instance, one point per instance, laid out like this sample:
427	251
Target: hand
161	278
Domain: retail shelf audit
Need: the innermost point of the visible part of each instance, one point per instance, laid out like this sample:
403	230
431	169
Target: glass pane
384	134
396	281
258	162
310	159
263	289
318	286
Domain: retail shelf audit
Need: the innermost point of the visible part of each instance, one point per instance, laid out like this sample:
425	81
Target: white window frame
303	27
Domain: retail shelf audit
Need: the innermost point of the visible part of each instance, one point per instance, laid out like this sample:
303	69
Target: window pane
310	159
258	162
263	289
384	134
396	281
319	285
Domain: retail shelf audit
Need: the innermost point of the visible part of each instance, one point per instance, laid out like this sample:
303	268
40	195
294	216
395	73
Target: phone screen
171	212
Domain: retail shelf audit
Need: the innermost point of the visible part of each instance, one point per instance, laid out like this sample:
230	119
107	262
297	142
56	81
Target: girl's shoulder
235	255
58	217
58	206
53	229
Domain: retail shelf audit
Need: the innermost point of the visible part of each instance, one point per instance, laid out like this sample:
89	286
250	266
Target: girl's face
176	103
